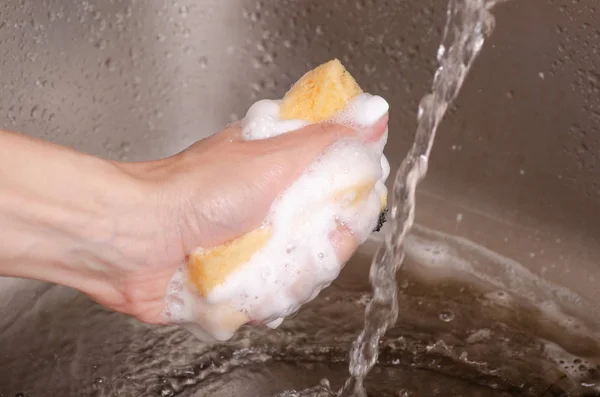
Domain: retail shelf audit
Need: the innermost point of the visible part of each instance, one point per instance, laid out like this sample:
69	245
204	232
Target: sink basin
498	293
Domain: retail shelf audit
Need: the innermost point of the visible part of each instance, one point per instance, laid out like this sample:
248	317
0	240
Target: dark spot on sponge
381	221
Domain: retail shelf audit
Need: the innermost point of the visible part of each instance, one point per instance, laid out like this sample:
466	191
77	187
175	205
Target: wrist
60	214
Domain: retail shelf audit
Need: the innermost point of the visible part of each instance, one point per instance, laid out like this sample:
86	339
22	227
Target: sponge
320	93
209	268
317	96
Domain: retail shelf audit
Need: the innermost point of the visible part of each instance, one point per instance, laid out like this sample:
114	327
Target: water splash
468	24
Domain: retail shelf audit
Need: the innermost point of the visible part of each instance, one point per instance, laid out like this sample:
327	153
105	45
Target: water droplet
110	65
256	63
267	59
440	53
183	11
100	44
254	17
167	392
34	111
98	382
258	86
370	69
203	62
447	316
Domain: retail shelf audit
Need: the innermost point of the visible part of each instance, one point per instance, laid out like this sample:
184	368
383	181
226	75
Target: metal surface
515	167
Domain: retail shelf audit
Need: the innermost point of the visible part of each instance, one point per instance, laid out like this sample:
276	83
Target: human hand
215	191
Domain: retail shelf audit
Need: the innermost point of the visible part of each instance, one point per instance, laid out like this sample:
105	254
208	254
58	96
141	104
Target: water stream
468	23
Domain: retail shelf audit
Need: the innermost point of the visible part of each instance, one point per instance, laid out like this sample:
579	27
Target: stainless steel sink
499	291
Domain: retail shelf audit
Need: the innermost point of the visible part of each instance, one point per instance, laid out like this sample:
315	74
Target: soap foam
299	260
574	367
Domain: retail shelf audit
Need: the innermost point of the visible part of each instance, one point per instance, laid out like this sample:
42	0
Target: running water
468	23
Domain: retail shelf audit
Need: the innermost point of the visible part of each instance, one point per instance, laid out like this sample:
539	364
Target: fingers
304	144
305	285
297	149
308	142
344	242
282	159
324	134
375	132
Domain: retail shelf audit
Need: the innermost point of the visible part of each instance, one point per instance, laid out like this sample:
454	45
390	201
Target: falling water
468	24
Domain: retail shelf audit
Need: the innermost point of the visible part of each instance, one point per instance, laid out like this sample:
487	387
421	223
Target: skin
118	231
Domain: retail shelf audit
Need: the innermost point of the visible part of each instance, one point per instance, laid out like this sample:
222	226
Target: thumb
289	154
307	142
316	137
299	148
285	157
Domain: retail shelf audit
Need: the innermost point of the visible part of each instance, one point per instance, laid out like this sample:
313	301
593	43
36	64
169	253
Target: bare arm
58	212
119	231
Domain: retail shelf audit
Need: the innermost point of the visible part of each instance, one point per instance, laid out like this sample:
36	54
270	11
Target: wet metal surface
515	169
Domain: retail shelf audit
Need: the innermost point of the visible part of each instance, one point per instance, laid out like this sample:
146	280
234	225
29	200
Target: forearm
57	208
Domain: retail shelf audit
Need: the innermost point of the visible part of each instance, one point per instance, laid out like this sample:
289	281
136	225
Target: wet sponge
209	268
320	93
317	96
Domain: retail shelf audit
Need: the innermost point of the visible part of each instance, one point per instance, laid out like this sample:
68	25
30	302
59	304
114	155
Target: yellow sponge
320	93
317	96
209	268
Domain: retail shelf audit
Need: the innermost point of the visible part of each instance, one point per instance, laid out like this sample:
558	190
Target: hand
121	233
219	189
